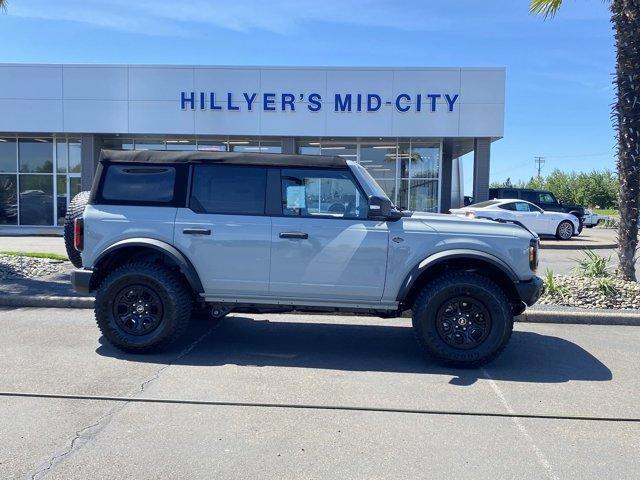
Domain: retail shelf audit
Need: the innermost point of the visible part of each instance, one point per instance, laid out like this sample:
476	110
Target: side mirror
379	208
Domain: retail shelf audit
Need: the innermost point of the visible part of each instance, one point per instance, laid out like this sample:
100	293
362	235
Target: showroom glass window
380	161
35	181
38	177
420	176
8	181
324	193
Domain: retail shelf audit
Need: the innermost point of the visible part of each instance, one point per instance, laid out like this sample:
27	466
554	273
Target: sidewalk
34	243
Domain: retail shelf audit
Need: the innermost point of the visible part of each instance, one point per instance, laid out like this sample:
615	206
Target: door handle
301	235
196	231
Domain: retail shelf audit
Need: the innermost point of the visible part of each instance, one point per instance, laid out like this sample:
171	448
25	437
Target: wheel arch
458	260
150	249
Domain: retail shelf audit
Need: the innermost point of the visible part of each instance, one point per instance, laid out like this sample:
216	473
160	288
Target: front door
225	232
323	245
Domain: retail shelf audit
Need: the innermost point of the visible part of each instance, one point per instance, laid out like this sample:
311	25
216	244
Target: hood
445	223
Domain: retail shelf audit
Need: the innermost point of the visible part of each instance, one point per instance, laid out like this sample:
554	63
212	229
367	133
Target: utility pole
540	162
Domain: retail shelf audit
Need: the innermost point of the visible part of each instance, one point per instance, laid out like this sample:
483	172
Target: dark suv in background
542	198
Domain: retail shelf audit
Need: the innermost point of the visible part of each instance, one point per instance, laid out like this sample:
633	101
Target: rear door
323	245
224	230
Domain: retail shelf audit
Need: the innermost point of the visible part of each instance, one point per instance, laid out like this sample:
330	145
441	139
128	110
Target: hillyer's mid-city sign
289	102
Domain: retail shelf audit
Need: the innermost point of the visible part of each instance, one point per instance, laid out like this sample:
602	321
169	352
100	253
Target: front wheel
142	307
564	230
462	319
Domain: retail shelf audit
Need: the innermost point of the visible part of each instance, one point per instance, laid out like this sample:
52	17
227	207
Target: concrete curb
600	317
614	317
577	246
44	301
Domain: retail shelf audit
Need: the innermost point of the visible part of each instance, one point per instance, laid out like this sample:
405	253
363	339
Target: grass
51	256
607	211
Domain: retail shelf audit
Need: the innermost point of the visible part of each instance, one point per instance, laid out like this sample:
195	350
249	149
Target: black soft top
234	158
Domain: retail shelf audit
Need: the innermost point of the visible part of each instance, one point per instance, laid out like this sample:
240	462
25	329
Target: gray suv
164	232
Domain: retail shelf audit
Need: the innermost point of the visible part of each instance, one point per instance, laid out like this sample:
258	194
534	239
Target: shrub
553	287
594	265
606	286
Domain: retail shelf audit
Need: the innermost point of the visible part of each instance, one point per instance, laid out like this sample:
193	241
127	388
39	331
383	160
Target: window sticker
296	197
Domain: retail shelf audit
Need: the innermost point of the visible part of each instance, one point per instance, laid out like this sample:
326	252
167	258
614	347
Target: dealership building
407	126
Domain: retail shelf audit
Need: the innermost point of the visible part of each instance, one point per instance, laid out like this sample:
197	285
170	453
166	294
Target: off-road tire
74	210
564	223
436	293
175	296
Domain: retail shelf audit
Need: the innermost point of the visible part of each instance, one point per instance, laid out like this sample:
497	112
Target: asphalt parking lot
300	396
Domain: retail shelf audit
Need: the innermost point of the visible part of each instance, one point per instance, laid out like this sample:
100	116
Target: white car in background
591	219
561	225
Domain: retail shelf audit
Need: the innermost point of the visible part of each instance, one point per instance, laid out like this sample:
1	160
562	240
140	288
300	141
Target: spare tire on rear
75	210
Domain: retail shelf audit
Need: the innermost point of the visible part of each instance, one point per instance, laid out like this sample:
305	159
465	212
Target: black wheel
74	210
462	319
564	230
143	307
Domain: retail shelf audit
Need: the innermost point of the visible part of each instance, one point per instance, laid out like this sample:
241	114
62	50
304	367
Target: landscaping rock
19	267
588	292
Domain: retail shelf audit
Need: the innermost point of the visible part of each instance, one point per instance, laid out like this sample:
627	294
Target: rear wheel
462	319
143	307
74	210
564	230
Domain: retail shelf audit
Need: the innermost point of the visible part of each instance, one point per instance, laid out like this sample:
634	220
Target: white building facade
407	126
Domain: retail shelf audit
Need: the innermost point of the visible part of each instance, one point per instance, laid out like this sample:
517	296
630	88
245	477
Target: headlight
533	254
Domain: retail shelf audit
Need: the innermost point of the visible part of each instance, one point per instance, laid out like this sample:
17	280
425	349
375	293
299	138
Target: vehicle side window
139	184
227	189
522	207
314	192
508	206
546	198
529	197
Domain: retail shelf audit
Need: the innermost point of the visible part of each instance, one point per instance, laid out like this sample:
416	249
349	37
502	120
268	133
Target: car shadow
243	341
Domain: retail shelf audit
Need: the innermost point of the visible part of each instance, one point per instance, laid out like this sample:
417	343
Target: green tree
625	17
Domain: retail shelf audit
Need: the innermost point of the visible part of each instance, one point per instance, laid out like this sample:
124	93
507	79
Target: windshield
373	185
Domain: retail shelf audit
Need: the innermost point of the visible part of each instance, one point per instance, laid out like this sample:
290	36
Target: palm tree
3	4
625	17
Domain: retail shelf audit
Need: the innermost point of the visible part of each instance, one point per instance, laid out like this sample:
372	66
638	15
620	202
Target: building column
481	160
446	178
289	145
90	153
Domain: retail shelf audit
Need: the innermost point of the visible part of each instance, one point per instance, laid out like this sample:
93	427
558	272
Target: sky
559	71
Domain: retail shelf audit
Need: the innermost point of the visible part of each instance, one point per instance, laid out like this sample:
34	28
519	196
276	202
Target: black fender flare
446	255
185	266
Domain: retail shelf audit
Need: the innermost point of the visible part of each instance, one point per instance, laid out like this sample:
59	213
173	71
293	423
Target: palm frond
546	8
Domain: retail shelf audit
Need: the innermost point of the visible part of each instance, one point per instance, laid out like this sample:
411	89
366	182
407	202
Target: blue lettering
433	97
342	105
288	99
370	106
184	100
202	102
359	102
399	106
230	105
418	102
212	102
269	102
249	100
314	102
451	101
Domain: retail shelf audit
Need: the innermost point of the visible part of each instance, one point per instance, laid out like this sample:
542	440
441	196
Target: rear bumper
530	290
81	280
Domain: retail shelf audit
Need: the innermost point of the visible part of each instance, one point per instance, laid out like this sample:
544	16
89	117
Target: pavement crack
85	434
